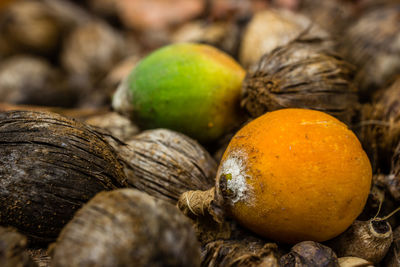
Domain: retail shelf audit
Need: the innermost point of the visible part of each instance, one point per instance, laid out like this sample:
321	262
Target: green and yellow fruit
191	88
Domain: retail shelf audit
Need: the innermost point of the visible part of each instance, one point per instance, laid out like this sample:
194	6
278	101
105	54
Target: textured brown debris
127	228
50	166
369	240
32	80
303	74
12	249
244	252
164	164
380	127
283	27
309	253
371	43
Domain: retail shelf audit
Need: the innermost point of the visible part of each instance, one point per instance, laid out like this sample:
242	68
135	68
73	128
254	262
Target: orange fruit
294	175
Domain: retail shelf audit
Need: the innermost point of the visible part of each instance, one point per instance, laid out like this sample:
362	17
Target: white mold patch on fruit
234	168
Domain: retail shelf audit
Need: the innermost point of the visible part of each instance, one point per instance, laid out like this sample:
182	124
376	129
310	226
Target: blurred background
74	53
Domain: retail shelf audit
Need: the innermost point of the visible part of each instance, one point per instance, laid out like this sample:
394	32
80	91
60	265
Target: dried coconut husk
40	256
105	8
38	26
164	164
376	199
68	13
32	80
49	167
74	113
369	240
380	126
225	35
90	51
309	253
372	44
301	74
127	228
119	126
354	262
392	258
392	181
245	252
30	26
12	249
272	28
105	88
332	15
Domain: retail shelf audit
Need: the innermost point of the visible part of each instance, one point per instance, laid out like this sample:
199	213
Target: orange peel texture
295	175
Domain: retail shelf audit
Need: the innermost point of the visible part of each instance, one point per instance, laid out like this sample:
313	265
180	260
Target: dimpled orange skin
307	176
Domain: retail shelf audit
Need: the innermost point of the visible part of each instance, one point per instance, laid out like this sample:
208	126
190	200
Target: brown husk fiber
380	127
303	74
165	163
49	167
12	249
127	227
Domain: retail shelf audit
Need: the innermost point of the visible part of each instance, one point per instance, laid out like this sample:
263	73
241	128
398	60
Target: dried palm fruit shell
119	126
373	45
224	35
32	80
49	167
392	181
354	262
245	252
40	256
105	8
164	164
12	249
310	253
30	25
91	50
127	228
272	28
369	240
38	26
332	15
301	74
380	126
392	258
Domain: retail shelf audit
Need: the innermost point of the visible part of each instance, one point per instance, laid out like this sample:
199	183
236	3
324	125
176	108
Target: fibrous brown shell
309	253
90	51
31	26
392	181
164	164
354	262
380	127
49	167
224	35
38	26
245	252
302	74
373	45
392	258
127	228
32	80
332	15
272	28
12	249
119	126
40	256
369	240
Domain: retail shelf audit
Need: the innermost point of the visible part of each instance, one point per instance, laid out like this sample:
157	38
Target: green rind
189	88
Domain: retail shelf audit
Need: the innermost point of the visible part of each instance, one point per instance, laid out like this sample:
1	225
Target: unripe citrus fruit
294	175
191	88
